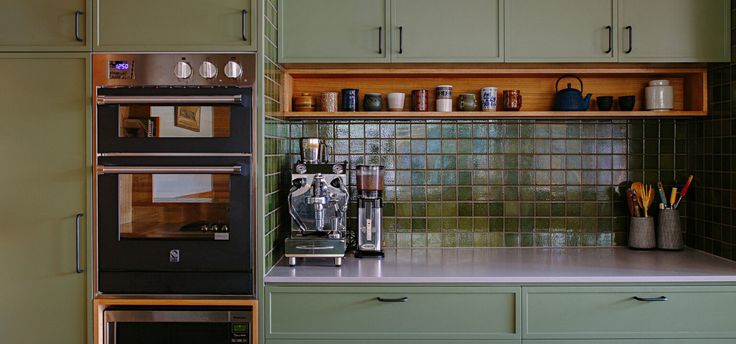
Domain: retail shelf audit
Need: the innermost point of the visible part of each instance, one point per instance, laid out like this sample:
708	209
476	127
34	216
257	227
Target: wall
712	211
510	183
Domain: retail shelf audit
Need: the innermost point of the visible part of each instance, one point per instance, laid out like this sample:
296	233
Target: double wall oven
174	186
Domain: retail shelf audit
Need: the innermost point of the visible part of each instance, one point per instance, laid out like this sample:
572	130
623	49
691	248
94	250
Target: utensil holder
669	230
642	233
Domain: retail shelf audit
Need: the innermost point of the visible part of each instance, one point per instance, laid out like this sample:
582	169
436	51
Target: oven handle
236	169
228	99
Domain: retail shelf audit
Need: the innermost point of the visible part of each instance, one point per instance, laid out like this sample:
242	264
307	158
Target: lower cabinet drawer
632	341
391	312
629	312
398	341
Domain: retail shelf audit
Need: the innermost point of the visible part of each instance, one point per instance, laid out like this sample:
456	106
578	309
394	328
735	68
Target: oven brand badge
174	256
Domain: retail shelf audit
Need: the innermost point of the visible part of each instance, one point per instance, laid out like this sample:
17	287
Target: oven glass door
175	217
178	326
174	120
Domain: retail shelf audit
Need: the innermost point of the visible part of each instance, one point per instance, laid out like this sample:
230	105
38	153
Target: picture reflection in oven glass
174	121
174	206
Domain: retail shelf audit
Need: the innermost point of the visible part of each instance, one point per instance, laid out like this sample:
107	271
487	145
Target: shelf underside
388	115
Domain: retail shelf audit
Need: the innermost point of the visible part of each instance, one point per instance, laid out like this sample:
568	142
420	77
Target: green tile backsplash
491	183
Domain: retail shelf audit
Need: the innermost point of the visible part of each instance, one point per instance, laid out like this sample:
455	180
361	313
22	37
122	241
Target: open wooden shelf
488	115
536	82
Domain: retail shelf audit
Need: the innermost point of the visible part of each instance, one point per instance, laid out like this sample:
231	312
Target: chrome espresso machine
318	205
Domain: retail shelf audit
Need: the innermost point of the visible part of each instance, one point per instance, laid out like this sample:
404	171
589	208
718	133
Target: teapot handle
557	84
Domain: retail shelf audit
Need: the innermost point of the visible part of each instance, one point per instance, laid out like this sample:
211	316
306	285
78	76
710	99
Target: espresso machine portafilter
369	180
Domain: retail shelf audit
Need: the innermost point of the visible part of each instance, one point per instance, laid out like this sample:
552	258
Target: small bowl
604	103
626	103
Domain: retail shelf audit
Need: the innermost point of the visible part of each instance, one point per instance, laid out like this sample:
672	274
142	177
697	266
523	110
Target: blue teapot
571	99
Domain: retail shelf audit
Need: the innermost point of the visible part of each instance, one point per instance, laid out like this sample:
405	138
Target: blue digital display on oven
122	66
120	69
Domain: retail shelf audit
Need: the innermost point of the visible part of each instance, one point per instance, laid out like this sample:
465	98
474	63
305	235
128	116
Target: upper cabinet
674	31
447	31
45	25
333	31
175	25
560	31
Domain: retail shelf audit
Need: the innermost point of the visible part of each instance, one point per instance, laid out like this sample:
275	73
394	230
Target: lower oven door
178	326
169	227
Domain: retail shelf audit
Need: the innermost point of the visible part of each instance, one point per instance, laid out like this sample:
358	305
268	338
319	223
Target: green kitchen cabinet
674	31
633	341
45	25
560	31
418	313
333	31
44	186
399	341
447	31
175	25
629	312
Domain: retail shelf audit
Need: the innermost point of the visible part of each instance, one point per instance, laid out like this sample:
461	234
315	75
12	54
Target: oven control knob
183	70
233	70
208	70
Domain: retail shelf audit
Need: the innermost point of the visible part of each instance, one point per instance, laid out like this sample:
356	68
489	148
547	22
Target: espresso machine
318	204
369	180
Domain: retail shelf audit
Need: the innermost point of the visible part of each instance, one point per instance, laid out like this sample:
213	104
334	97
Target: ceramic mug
443	105
659	95
349	100
329	101
467	102
396	101
488	98
420	100
444	92
512	100
304	102
372	102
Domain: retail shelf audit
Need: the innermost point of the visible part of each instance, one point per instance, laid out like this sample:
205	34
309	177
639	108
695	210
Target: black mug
349	100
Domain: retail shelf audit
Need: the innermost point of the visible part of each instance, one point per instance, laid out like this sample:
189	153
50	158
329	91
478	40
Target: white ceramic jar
659	96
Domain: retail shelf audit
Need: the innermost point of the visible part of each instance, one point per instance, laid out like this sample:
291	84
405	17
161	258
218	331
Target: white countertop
513	265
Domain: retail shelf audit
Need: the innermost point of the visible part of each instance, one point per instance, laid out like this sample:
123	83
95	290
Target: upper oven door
174	120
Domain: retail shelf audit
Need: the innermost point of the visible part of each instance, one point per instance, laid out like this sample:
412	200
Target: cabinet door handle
631	43
651	299
77	14
242	23
380	40
401	39
398	299
78	225
610	39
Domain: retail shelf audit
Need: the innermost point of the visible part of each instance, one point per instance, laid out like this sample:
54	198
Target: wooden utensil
644	196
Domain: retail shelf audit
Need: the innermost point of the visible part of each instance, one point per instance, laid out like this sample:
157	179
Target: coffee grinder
369	180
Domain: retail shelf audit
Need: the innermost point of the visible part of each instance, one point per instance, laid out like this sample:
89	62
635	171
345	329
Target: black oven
178	325
174	186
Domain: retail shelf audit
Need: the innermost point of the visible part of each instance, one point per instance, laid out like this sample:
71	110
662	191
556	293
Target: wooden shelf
388	115
536	82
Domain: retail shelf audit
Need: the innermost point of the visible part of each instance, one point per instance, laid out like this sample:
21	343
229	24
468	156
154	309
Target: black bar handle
398	299
243	32
380	40
651	299
610	39
77	14
401	39
631	43
78	225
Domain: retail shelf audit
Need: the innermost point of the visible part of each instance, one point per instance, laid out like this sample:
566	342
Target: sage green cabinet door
175	25
400	341
328	31
45	25
43	183
447	31
608	312
674	30
633	341
355	312
560	31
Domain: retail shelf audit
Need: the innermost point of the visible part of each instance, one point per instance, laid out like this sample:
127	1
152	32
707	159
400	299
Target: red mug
512	100
420	100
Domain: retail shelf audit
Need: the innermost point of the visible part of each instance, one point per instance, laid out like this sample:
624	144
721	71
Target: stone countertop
513	265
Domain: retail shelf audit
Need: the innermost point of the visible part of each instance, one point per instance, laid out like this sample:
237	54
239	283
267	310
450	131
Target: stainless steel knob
208	70
183	70
233	70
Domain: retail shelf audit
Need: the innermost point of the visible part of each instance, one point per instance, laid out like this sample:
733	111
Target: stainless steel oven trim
231	99
237	169
174	316
172	154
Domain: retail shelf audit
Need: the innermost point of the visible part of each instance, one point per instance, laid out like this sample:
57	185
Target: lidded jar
659	95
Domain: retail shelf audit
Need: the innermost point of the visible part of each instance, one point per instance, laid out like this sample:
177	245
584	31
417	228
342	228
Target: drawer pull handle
651	299
398	299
